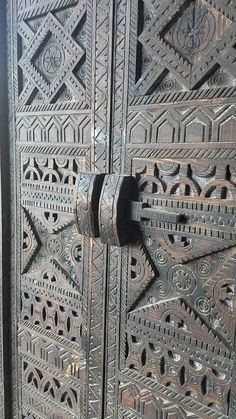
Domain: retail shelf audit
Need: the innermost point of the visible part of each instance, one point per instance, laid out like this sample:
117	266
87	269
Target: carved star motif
60	248
51	55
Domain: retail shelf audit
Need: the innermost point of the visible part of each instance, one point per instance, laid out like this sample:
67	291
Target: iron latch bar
141	211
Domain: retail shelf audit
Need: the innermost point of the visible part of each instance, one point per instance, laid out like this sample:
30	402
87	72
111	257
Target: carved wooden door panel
171	305
59	71
143	91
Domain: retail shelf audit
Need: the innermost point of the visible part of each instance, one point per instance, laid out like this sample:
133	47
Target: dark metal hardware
141	211
88	190
115	209
107	206
102	206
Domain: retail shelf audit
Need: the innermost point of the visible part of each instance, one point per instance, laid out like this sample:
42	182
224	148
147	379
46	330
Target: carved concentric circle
218	78
146	61
66	97
52	59
182	279
220	257
194	380
202	305
82	72
218	390
167	84
39	98
82	35
204	268
161	289
160	257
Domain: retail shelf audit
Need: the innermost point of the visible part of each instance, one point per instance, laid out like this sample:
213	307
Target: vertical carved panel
96	265
60	127
172	354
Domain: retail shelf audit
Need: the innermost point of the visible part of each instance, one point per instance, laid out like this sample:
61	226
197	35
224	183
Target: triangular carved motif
141	275
30	241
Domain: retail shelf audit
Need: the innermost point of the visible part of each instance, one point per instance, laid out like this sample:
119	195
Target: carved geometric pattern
51	314
173	131
185	125
169	301
141	275
61	247
182	406
177	364
52	180
59	353
187	188
67	129
30	241
53	57
31	8
180	302
179	44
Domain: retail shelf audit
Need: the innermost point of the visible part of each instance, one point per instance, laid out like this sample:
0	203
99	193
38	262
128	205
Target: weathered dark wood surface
131	87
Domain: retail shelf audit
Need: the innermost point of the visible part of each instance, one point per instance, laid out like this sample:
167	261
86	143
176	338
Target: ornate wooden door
60	77
144	92
171	304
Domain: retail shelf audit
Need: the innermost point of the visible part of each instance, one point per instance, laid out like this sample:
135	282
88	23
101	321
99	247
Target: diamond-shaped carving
50	57
59	242
189	41
193	31
50	60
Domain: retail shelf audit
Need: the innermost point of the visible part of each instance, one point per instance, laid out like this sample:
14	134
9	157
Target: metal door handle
108	206
88	189
102	207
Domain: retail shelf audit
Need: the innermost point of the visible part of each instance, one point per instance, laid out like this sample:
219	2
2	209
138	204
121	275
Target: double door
123	178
